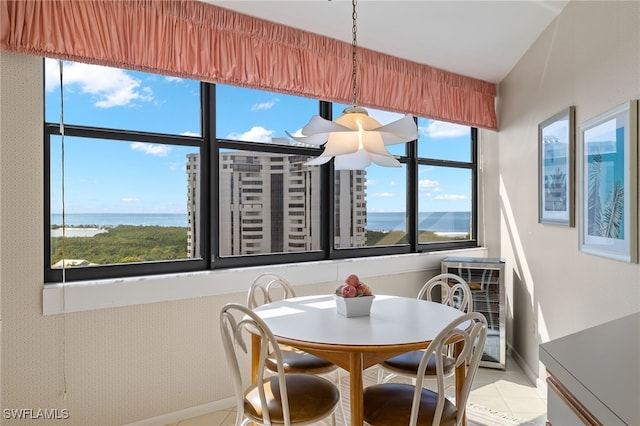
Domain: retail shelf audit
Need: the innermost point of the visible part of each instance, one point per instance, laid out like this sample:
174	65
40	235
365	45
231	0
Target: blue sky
147	178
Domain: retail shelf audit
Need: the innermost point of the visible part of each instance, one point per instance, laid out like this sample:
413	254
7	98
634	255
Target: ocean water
387	221
427	221
115	219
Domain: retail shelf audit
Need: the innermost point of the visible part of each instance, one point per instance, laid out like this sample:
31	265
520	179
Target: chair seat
390	405
407	364
296	361
310	397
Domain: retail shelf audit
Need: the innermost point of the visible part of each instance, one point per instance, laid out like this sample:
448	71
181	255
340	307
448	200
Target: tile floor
508	395
512	393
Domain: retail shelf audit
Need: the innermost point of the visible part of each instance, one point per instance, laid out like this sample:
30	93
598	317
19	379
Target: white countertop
600	366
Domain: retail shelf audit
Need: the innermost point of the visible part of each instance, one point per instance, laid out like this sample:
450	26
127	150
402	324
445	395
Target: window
166	175
259	117
142	200
371	207
112	98
446	182
125	165
287	201
444	204
444	141
263	174
371	204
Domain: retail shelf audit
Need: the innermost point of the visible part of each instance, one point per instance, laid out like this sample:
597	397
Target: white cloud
190	133
151	149
109	87
439	130
51	74
264	105
382	195
131	200
428	184
256	134
173	79
176	166
451	197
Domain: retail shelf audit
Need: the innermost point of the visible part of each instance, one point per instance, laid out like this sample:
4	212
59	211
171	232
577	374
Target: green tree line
380	238
129	243
124	244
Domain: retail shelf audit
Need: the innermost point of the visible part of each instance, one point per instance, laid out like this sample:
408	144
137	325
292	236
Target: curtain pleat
190	39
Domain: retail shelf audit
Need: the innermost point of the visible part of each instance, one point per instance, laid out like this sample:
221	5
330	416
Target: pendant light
354	139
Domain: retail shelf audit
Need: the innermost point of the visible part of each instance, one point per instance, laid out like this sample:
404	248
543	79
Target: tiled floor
510	392
498	397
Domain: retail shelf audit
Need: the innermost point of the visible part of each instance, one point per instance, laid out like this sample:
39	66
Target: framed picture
609	184
556	147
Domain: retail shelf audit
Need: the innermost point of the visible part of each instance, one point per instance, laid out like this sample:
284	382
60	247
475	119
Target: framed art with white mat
608	174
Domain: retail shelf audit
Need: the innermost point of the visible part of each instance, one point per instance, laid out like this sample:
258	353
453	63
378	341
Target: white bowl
354	306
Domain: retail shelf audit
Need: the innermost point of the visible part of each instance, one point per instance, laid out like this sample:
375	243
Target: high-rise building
193	201
351	209
270	203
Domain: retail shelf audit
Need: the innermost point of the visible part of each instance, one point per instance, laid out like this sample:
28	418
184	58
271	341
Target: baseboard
187	413
531	375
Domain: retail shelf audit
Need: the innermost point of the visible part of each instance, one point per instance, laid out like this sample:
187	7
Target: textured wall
588	57
31	356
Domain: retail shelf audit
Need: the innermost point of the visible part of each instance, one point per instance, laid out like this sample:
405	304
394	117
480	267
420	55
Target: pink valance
201	41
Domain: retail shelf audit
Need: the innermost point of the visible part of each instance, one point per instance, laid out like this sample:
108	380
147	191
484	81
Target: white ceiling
476	38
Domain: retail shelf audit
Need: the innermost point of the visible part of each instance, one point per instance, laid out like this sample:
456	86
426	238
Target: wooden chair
280	399
407	404
449	289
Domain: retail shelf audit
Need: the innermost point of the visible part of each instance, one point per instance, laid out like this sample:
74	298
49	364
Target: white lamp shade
356	161
356	140
341	143
357	120
399	131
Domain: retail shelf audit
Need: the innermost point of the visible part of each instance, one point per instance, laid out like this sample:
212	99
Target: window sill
104	294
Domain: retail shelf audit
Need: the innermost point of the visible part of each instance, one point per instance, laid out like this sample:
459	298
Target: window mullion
412	195
209	157
327	195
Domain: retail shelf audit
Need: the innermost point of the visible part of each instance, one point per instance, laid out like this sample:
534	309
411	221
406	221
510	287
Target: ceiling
475	38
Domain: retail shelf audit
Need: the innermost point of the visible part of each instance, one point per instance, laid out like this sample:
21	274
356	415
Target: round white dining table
395	325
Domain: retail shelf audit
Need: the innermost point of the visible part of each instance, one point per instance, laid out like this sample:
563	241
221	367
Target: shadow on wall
522	329
525	340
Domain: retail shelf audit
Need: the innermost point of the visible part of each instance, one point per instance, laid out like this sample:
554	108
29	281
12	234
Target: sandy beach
77	232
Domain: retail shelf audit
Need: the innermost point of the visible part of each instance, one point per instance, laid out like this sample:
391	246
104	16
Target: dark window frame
210	150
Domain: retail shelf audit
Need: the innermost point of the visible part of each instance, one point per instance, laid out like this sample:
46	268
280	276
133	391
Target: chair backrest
454	291
473	337
267	288
237	324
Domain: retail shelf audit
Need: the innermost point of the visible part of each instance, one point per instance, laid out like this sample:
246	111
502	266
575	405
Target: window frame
473	167
210	148
54	275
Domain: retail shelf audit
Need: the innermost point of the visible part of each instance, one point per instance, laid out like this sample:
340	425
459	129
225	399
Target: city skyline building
270	203
193	201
